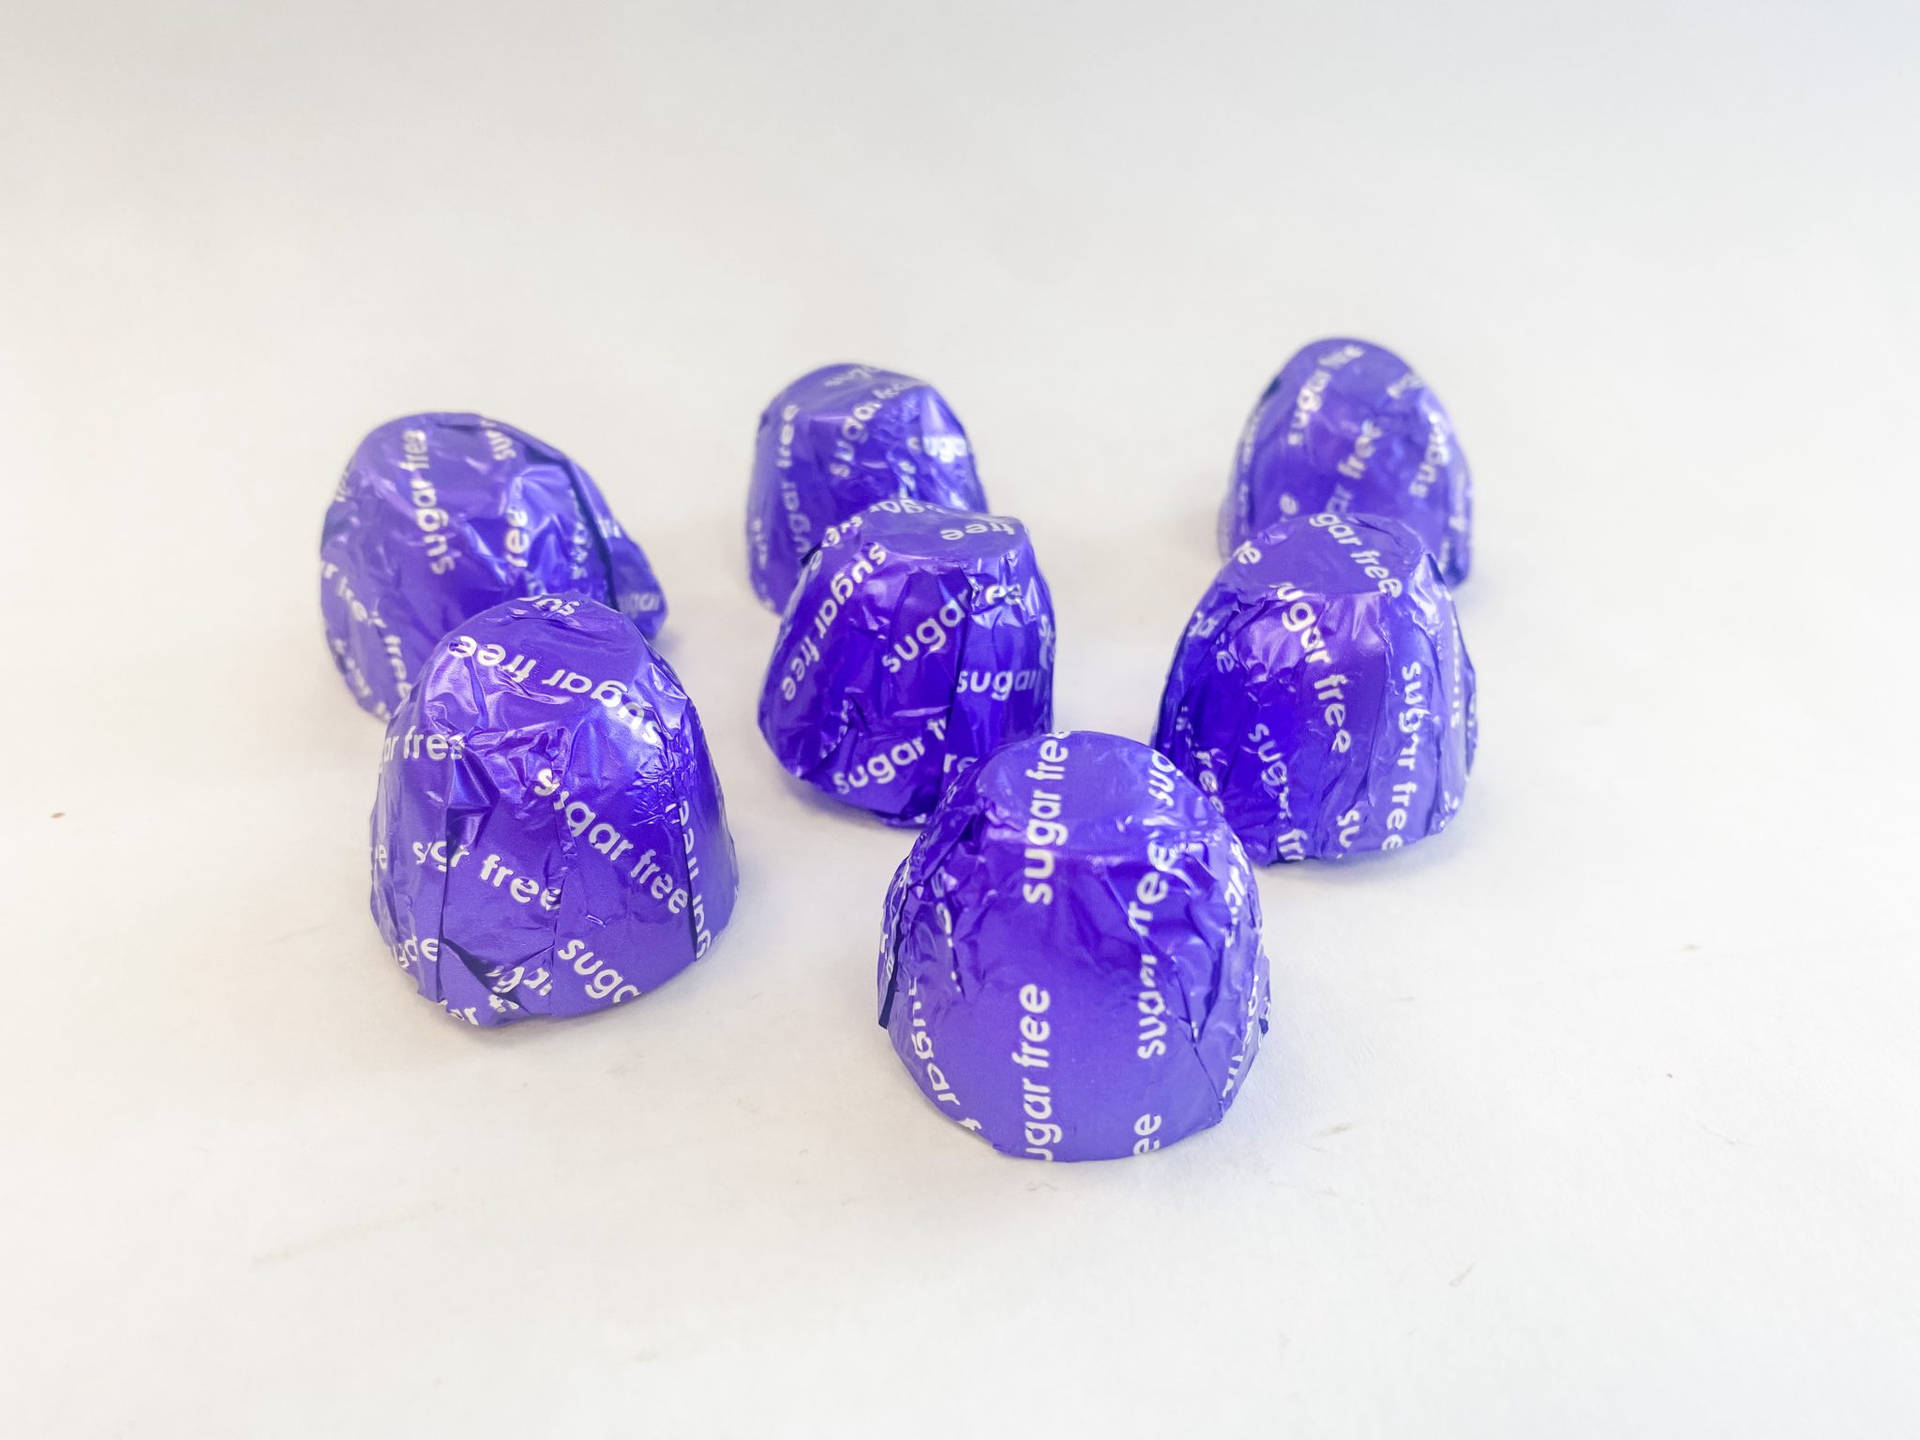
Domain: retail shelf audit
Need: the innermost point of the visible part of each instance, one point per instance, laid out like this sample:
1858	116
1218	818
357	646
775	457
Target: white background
1596	1115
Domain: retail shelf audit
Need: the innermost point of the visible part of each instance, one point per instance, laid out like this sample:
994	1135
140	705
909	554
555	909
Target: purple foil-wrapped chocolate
1347	426
919	639
1322	694
440	516
832	443
549	836
1072	965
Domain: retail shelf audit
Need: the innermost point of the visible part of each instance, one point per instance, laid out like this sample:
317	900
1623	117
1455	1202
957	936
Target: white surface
1595	1116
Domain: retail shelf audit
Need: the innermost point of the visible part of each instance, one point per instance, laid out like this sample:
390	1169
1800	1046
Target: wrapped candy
1072	965
1348	427
919	639
549	836
1322	693
832	443
440	516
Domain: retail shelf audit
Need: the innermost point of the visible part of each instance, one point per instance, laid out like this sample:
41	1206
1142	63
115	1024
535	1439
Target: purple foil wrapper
832	443
918	639
1322	693
439	517
1348	427
549	836
1072	965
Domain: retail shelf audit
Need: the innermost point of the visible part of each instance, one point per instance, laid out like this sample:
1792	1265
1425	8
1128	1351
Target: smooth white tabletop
1596	1115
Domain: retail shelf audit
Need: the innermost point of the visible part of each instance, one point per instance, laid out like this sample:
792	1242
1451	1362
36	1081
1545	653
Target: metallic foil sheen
1072	965
549	836
1347	426
1322	693
918	639
832	443
440	516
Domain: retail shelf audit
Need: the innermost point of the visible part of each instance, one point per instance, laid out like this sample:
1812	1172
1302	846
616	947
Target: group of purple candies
1072	962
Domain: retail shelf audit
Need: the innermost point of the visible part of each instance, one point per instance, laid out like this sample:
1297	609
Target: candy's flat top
934	532
1593	1116
834	388
1098	779
544	660
1326	555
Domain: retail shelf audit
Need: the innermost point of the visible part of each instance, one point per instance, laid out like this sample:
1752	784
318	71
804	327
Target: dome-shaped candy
1321	692
440	516
549	836
919	639
1347	426
832	443
1072	964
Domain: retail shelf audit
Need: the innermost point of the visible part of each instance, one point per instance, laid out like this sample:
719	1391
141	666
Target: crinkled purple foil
439	517
549	836
918	639
832	443
1321	692
1072	966
1347	426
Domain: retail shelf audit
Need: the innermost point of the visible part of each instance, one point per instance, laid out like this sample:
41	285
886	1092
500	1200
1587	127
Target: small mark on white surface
1454	1283
296	934
341	1235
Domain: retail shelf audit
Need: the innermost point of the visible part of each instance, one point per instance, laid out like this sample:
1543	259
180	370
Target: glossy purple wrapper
1322	693
1347	426
919	638
441	516
549	836
1072	963
832	443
